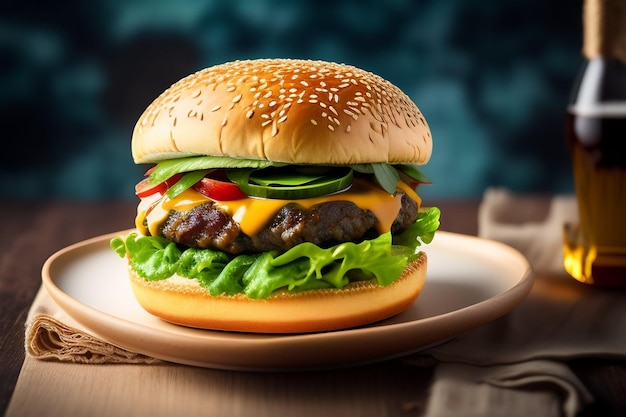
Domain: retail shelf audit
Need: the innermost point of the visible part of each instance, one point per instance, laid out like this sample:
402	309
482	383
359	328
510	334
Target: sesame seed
272	103
351	114
250	113
268	94
330	127
224	121
231	88
274	129
313	122
265	123
216	108
196	93
348	128
237	98
322	104
282	119
265	116
331	108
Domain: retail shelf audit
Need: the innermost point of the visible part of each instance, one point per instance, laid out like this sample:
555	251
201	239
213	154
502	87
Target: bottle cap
604	23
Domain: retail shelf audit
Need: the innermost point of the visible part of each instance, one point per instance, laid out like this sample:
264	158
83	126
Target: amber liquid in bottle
595	248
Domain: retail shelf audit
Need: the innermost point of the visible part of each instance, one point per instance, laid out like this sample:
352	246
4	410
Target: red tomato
145	188
219	190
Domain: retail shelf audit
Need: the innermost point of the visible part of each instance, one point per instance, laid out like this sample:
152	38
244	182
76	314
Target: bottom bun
183	301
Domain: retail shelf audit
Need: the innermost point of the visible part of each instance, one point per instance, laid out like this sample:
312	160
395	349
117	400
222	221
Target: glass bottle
595	248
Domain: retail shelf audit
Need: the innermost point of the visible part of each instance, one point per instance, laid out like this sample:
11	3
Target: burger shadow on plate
440	297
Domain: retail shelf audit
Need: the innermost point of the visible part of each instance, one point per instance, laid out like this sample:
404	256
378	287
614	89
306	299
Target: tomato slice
219	190
145	188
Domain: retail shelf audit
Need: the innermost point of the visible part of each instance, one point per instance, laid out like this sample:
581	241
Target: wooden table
32	231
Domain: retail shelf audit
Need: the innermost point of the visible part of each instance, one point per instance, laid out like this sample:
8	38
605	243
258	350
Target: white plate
470	281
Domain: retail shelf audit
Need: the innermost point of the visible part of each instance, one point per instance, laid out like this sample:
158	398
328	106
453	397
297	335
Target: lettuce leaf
303	267
168	168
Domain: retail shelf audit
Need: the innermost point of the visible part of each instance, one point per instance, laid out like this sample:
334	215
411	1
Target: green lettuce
303	267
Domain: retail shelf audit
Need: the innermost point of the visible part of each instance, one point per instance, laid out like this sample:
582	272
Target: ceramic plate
470	282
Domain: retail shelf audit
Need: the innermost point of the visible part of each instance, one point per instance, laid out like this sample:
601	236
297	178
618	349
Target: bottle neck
604	23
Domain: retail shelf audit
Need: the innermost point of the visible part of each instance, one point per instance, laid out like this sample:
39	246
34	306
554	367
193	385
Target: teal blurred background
492	78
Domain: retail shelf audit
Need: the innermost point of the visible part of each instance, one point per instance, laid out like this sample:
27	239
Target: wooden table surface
32	231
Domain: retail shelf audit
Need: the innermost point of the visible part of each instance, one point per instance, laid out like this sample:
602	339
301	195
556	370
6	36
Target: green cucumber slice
291	183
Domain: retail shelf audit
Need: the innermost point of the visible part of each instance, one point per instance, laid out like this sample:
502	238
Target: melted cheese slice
253	214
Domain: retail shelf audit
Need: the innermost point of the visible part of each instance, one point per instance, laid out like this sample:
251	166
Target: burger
280	198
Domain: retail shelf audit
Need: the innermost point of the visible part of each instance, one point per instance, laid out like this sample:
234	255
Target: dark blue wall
492	78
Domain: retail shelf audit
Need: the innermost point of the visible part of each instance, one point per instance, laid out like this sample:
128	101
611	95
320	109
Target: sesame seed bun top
283	110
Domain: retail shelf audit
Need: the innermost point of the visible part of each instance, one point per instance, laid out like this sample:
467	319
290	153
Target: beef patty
326	224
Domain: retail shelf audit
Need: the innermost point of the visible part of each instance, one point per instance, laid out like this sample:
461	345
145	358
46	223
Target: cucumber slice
291	183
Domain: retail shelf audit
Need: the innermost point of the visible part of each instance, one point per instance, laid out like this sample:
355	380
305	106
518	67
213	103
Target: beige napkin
52	334
561	319
512	219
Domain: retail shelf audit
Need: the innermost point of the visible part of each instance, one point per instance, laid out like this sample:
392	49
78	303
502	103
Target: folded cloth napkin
561	319
514	220
512	366
52	334
534	388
